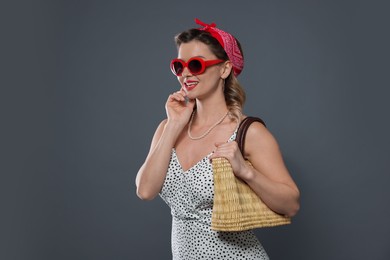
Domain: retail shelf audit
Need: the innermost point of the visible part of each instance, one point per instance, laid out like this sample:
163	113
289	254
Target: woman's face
197	86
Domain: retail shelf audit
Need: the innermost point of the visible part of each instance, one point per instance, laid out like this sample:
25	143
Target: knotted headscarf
228	43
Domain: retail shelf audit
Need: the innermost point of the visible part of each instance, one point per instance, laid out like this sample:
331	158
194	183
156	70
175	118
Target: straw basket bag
236	206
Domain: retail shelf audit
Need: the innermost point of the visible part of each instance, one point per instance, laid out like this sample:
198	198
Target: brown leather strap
243	128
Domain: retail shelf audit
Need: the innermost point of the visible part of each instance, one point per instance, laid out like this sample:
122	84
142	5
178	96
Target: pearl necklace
205	133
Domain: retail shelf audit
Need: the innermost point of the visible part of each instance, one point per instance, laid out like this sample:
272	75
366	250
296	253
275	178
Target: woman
202	121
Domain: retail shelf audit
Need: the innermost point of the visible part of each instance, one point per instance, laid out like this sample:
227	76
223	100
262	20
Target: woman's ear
226	69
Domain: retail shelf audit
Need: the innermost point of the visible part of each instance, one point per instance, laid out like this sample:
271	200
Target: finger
185	97
177	96
218	144
225	145
227	149
216	155
184	93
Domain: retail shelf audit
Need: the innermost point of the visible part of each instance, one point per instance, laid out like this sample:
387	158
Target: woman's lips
190	85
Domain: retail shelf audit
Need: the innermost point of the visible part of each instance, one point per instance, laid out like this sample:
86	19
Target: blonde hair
234	96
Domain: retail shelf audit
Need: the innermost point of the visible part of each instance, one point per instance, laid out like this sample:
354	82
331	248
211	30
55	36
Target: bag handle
243	128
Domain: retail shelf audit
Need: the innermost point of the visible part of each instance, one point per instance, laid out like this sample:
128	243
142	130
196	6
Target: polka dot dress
190	195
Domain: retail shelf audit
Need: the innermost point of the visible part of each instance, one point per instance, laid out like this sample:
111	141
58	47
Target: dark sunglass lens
195	66
178	67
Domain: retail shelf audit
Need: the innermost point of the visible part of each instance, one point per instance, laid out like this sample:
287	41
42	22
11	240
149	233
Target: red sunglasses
195	65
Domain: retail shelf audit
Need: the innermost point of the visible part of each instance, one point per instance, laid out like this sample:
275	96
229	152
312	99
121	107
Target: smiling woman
201	125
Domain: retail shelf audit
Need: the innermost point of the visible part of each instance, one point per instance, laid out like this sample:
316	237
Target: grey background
84	85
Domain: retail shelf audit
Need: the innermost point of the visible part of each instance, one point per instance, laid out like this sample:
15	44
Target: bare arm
269	177
151	175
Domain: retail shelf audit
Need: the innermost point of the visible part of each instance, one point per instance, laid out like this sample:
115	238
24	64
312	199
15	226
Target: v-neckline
191	167
232	138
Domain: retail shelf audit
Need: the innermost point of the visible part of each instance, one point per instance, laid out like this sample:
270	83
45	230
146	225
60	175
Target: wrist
173	126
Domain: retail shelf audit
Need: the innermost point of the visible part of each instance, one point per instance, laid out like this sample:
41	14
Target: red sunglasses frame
204	64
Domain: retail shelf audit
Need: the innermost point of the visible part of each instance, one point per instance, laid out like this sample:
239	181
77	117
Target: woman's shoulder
245	119
258	136
256	128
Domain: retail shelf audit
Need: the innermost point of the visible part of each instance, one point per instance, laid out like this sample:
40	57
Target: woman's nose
186	72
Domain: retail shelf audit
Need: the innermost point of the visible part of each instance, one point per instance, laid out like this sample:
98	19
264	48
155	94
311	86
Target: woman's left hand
232	153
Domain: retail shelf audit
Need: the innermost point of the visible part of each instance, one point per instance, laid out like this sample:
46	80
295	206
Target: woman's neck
207	112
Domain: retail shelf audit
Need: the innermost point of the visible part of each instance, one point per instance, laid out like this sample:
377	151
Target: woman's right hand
178	110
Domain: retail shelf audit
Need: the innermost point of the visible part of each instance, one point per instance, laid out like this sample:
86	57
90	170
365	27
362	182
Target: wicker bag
236	206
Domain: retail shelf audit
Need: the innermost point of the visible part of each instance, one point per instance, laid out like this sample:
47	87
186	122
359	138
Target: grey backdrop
84	85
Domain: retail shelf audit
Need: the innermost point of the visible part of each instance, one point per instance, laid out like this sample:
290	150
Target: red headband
228	43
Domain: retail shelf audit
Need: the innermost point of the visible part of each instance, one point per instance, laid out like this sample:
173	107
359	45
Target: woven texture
236	206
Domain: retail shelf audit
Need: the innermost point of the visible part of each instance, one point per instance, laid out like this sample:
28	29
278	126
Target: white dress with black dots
190	196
